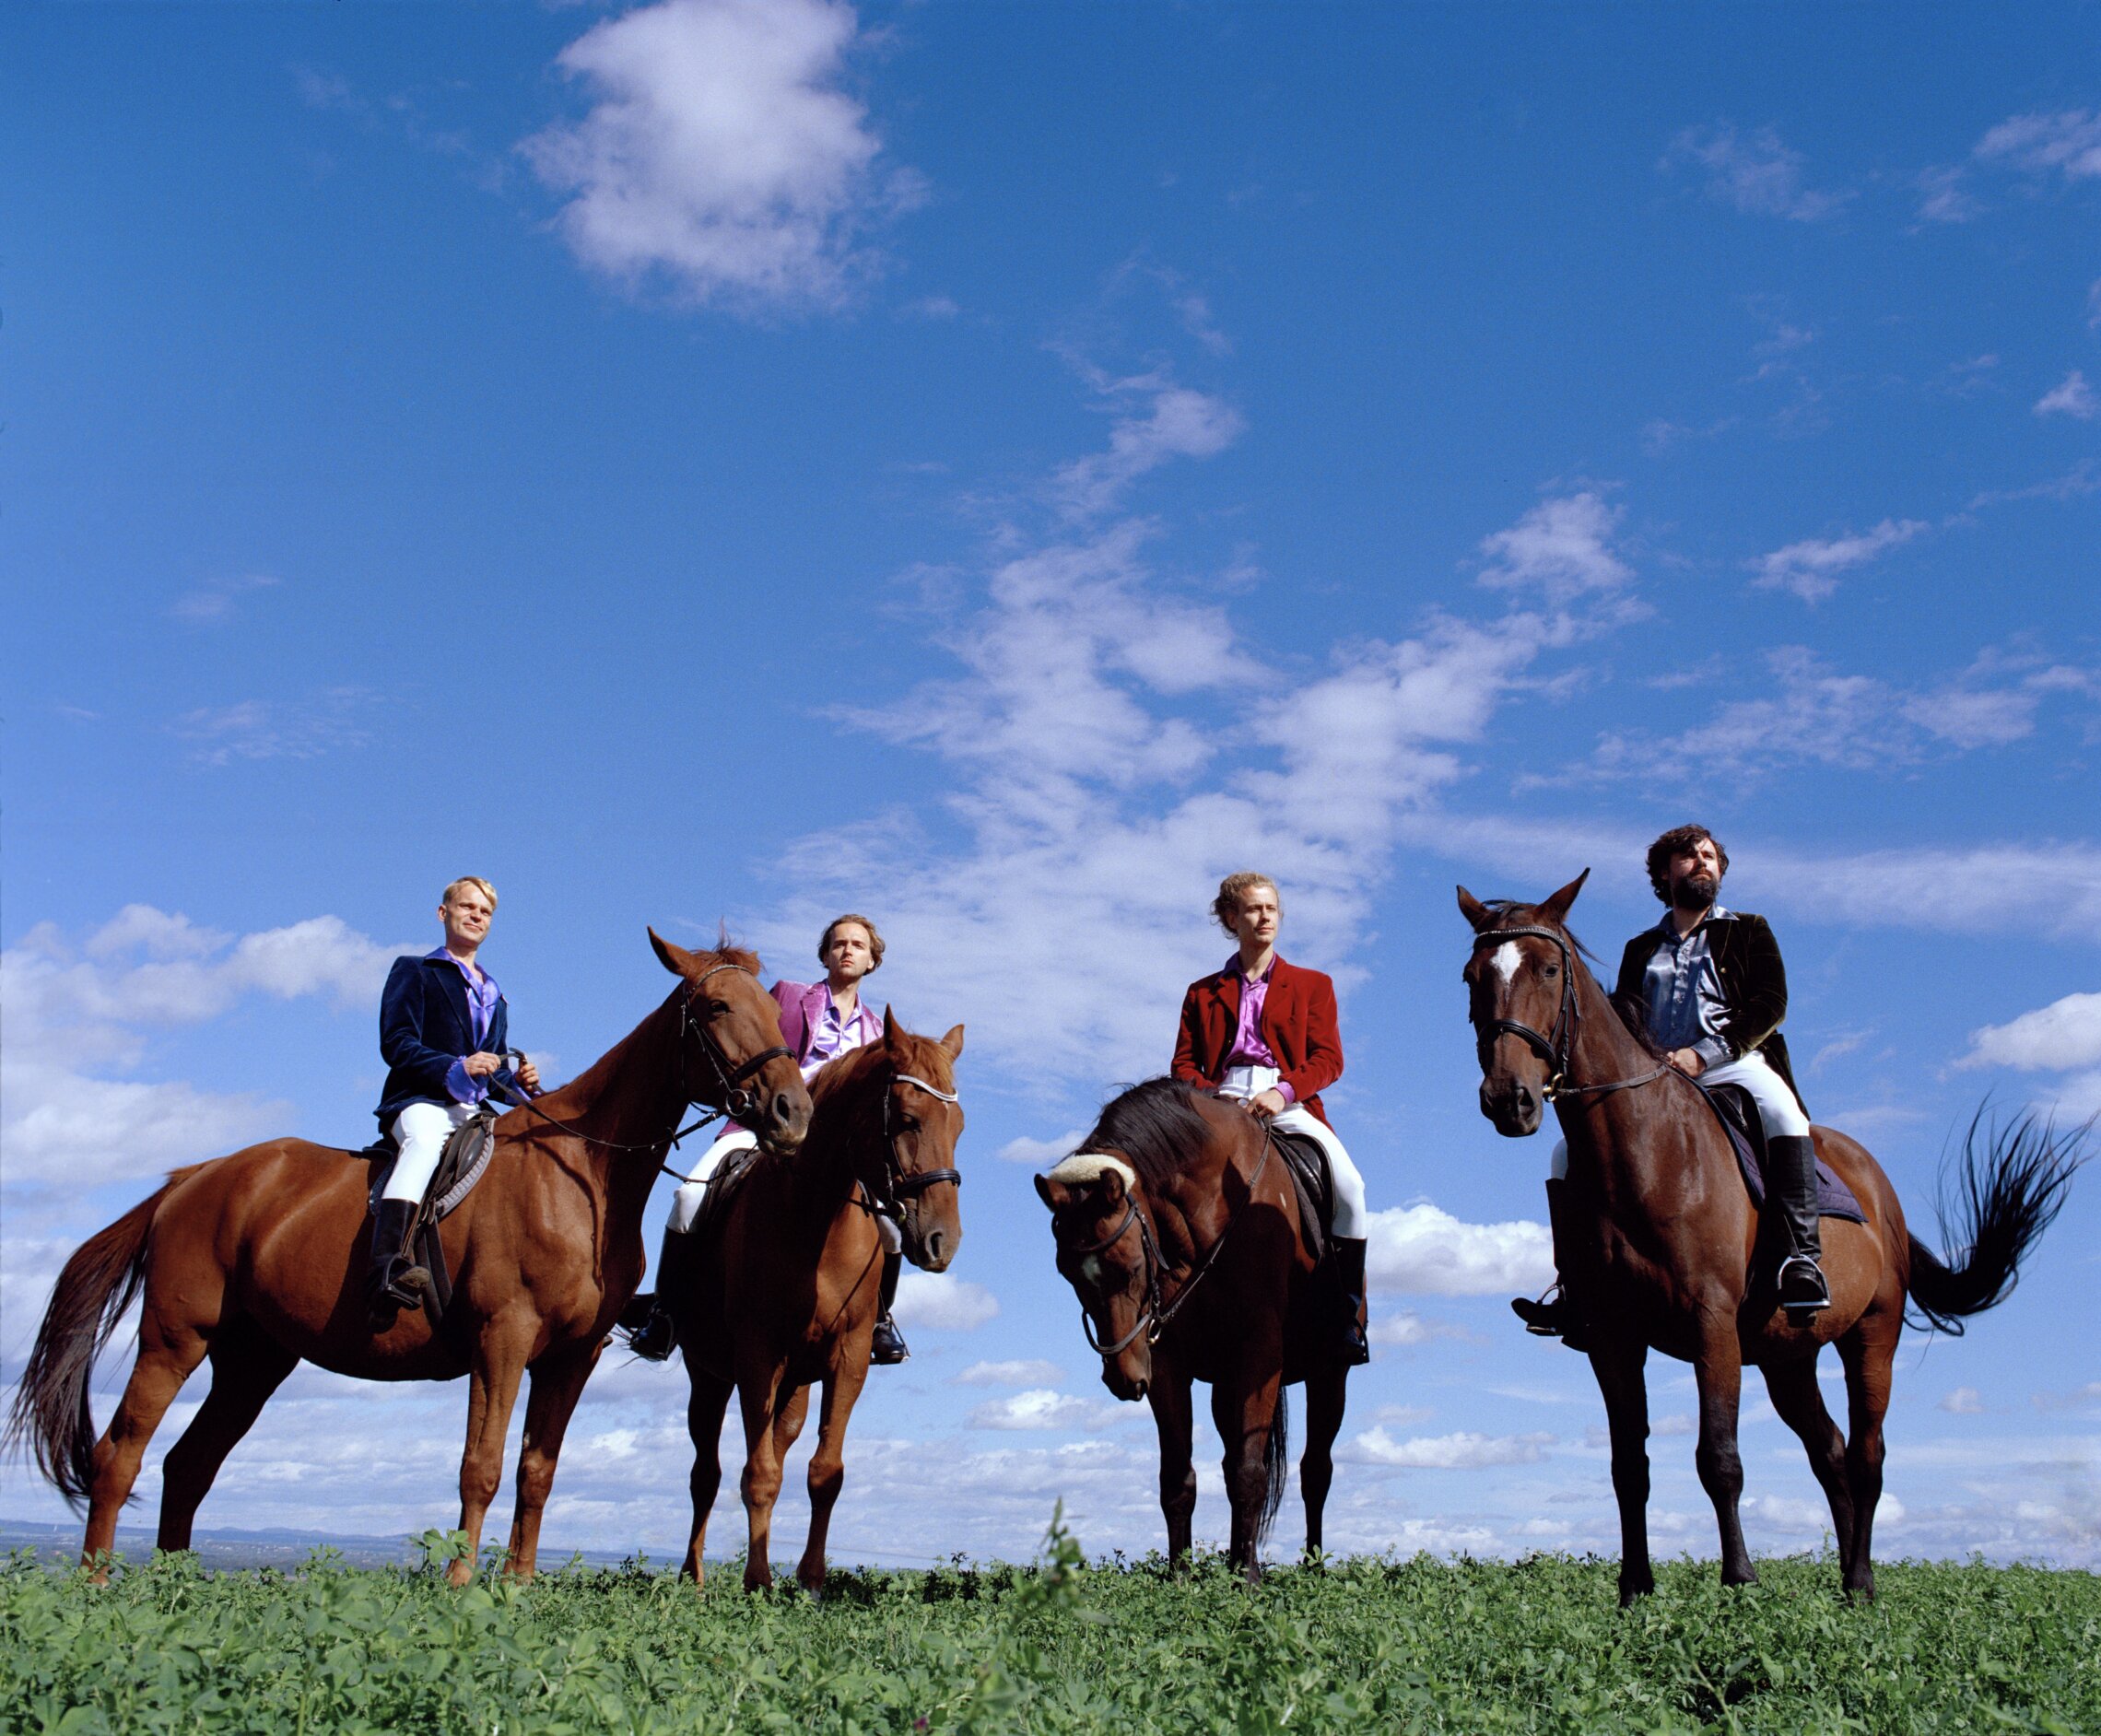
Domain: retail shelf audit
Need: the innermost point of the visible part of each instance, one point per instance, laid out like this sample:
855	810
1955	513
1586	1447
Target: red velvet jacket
1298	1024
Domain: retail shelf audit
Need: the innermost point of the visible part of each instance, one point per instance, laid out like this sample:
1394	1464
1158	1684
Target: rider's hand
1267	1103
529	1076
1688	1061
480	1064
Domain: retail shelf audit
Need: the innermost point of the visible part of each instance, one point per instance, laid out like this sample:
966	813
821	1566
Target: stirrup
1802	1286
1546	1316
886	1346
655	1337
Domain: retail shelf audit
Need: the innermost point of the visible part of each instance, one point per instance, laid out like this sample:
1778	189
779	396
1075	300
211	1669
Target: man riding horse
819	1022
1265	1033
1713	992
443	1024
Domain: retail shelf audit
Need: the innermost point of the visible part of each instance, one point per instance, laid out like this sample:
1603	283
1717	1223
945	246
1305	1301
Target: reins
1155	1316
1557	1048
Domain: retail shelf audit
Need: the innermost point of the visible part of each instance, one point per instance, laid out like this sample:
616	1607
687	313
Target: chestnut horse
784	1295
257	1260
1662	1254
1177	1225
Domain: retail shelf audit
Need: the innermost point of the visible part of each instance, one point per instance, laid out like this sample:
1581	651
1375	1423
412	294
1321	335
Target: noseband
1555	1048
899	1184
738	1102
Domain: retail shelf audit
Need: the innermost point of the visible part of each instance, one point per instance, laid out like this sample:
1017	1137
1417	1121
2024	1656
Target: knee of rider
1558	1165
891	1236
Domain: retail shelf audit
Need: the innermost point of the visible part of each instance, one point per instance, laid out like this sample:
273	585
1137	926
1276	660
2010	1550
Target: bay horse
785	1293
1177	1226
256	1261
1664	1233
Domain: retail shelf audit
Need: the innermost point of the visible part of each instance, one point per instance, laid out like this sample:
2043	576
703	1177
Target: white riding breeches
1777	1110
685	1202
421	1130
1349	1223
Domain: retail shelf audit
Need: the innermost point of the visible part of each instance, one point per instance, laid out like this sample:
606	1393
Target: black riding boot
1791	1176
396	1282
1348	1254
886	1345
1556	1315
652	1333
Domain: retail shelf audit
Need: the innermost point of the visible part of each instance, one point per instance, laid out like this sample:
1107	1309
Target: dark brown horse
1663	1253
257	1260
1177	1225
784	1295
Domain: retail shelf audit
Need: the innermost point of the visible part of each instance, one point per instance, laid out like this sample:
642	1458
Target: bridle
1155	1316
899	1184
1555	1048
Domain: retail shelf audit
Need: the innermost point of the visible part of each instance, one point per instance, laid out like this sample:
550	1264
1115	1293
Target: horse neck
626	1105
1194	1202
1638	1145
845	1118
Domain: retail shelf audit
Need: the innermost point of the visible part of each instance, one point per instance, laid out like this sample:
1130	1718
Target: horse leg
1172	1415
1867	1351
1617	1362
1243	1420
556	1384
704	1409
492	1391
1801	1405
761	1397
827	1468
1718	1371
1326	1393
248	1365
165	1360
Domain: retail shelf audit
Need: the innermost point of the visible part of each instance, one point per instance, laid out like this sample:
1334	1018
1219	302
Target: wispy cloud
1028	1372
2071	396
2067	142
723	156
1461	1451
1159	420
218	600
942	1300
1043	1409
1809	569
1945	196
277	729
1752	172
1562	547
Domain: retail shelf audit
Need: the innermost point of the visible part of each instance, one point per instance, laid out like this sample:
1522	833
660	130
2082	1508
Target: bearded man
1713	990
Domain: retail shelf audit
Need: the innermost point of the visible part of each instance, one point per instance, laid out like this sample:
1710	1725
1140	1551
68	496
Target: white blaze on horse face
1505	959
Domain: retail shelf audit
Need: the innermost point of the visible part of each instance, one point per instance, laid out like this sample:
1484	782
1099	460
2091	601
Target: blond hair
874	940
475	881
1232	889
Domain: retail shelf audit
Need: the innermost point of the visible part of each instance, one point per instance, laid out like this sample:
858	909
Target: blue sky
1000	469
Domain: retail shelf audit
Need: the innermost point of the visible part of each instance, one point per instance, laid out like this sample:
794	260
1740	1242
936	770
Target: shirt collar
1668	927
1235	969
483	983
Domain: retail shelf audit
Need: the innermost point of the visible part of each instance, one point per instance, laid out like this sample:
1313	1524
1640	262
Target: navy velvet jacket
425	1026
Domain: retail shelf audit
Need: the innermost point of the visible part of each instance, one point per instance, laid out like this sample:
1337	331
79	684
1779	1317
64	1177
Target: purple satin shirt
1249	1049
482	997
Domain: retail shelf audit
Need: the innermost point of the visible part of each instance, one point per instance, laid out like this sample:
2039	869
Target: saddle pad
1306	1161
461	1165
1834	1198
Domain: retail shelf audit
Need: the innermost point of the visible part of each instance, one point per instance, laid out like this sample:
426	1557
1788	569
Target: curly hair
1677	839
874	940
1232	889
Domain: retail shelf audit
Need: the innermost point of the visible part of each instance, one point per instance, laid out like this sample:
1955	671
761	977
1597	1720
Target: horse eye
1552	971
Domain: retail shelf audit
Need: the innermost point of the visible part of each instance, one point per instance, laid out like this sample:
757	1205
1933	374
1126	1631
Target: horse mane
727	952
1155	1126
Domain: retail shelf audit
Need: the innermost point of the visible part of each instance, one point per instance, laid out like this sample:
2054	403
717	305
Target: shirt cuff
1712	1052
463	1088
1284	1090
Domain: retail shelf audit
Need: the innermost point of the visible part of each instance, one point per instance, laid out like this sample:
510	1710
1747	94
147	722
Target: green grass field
1389	1645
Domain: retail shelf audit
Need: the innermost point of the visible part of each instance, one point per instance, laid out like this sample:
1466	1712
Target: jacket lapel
454	988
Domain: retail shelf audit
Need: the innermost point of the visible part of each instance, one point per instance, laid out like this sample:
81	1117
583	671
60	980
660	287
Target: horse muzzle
1514	1108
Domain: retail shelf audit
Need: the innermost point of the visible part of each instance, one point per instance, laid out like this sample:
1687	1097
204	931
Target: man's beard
1694	892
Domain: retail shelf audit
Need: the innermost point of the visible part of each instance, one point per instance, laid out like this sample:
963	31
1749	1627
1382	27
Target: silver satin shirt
1683	989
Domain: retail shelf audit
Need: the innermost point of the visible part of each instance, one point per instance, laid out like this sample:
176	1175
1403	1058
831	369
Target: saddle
730	1174
460	1166
1737	1110
1306	1161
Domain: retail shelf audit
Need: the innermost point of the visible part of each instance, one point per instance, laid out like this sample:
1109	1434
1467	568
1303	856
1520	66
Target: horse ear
1473	911
1111	1184
891	1028
675	959
953	1042
1555	910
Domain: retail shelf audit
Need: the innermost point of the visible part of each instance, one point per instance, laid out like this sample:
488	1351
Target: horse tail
1276	1463
1998	1201
51	1412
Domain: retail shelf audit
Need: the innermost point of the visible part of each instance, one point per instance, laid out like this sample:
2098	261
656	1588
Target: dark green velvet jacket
1753	984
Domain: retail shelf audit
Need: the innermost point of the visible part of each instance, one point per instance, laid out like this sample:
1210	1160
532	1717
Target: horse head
731	1055
922	1121
1521	1000
1106	1252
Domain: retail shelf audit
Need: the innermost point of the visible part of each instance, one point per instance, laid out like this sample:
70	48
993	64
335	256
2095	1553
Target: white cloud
1040	1154
2072	396
276	729
942	1300
722	154
1755	172
216	601
1418	1249
1944	197
1405	1330
1963	1401
1029	1371
2068	143
1173	422
1462	1451
1807	567
1562	546
2078	1399
1043	1409
2058	1037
